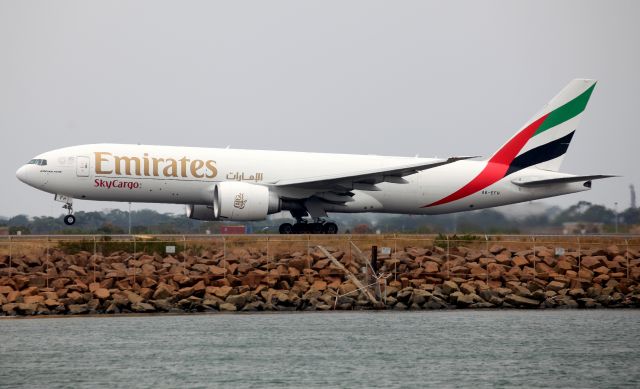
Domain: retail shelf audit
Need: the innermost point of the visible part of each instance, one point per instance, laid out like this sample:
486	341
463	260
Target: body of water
465	348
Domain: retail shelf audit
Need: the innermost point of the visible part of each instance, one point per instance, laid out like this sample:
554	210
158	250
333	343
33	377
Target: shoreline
280	313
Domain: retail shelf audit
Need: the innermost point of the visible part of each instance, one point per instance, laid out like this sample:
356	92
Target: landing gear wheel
330	228
69	220
315	228
299	228
286	228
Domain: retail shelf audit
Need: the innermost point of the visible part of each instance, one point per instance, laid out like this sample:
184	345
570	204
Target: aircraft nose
22	174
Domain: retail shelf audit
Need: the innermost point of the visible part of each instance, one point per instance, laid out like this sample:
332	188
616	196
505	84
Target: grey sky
389	78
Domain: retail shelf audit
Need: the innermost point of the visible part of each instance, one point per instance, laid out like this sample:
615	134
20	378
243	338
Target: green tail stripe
571	109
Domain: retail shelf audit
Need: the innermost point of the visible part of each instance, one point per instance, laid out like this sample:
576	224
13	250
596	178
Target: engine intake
234	200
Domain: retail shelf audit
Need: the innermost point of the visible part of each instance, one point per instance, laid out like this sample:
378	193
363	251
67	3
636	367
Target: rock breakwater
249	279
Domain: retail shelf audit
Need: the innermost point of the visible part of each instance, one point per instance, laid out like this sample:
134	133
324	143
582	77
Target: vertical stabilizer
544	140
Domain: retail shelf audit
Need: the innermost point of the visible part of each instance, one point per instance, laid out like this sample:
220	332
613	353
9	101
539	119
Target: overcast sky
363	77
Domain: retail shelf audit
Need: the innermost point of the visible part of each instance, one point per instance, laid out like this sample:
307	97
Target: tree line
488	221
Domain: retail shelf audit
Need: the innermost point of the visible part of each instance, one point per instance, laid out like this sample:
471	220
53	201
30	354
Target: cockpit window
40	162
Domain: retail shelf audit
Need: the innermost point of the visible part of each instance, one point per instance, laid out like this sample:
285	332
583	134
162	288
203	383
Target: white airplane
227	184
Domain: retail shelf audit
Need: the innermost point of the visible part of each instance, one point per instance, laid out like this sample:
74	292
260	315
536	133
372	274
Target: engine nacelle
234	200
200	212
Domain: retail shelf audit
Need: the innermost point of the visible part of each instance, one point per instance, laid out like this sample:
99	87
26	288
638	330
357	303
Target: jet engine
200	212
233	200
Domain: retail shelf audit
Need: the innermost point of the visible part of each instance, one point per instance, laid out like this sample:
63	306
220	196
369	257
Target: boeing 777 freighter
227	184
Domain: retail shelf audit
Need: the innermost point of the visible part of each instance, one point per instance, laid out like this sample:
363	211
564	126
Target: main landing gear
318	226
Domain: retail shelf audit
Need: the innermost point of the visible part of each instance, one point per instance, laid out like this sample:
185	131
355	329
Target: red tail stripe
496	167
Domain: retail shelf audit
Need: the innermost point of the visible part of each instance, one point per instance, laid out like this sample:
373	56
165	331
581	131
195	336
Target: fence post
46	269
533	239
448	264
486	246
579	255
626	256
395	243
349	245
268	254
224	247
385	291
10	253
184	253
95	253
308	246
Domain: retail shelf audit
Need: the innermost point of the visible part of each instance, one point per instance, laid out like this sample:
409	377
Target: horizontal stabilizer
561	180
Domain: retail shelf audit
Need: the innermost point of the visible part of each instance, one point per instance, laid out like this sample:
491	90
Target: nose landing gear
68	205
69	219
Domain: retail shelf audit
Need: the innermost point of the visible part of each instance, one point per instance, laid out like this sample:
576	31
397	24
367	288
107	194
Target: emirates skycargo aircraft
227	184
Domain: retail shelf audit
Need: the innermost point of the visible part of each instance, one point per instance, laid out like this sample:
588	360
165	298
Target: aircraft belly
144	190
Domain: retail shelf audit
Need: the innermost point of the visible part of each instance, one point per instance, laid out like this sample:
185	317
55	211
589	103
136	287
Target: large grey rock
404	295
400	307
496	301
142	307
519	301
239	300
228	307
465	300
449	287
253	306
435	303
420	296
77	309
481	305
162	305
163	291
587	303
453	297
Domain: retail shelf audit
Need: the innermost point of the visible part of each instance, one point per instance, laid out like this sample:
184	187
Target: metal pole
47	267
129	218
94	258
486	246
308	249
395	243
385	291
184	251
616	212
374	259
533	239
579	255
626	255
10	252
448	275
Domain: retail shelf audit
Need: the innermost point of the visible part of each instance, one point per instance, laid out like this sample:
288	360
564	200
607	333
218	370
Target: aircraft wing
364	180
561	180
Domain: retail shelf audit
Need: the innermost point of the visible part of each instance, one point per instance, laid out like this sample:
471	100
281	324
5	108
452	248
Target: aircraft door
82	166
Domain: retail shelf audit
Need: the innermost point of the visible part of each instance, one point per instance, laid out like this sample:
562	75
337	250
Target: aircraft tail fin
544	140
